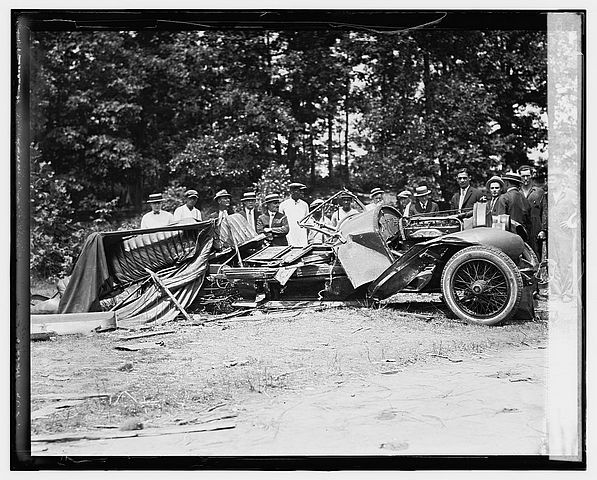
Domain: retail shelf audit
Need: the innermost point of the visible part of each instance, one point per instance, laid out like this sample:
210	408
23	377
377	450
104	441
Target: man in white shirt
317	219
344	211
295	209
376	197
248	208
187	213
157	217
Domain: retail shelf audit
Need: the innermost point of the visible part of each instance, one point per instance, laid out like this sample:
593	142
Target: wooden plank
73	323
53	408
71	317
153	432
69	396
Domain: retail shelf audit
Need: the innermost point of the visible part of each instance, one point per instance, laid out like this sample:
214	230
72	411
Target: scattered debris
134	347
361	328
521	379
454	360
42	336
508	410
145	335
131	424
395	446
390	372
127	367
53	408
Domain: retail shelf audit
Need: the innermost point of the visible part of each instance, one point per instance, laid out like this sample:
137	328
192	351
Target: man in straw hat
273	223
157	217
248	208
223	200
421	203
187	212
319	219
376	197
403	201
513	202
538	202
344	211
295	209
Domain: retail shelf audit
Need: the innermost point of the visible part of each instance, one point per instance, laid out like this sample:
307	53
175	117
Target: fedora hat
316	202
494	179
221	194
345	195
297	185
375	191
512	177
191	193
155	197
272	197
405	194
421	191
248	196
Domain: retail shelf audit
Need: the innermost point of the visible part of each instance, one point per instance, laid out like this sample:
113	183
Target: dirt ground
403	379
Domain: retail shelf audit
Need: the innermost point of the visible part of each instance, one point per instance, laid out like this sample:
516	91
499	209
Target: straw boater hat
272	197
375	191
512	177
155	197
405	194
221	194
494	179
248	196
525	168
191	193
421	191
316	202
298	185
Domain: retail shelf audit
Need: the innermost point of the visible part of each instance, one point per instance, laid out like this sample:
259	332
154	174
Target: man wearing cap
467	196
248	209
538	202
223	200
295	209
344	211
157	217
273	223
404	199
187	212
319	219
376	197
513	202
421	204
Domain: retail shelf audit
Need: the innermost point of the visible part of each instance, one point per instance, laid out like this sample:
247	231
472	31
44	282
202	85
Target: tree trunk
330	147
312	155
346	147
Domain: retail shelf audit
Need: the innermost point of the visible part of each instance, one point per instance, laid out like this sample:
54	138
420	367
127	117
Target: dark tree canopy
122	114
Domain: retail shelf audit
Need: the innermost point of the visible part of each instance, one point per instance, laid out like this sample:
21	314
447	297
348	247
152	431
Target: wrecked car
485	274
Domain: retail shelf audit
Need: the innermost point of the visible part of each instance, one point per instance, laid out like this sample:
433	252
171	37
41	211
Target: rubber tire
491	255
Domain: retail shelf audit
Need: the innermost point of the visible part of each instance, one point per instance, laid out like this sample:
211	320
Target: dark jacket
472	196
279	228
515	204
417	209
538	202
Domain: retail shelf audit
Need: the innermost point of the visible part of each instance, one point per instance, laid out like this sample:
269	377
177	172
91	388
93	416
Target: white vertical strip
565	229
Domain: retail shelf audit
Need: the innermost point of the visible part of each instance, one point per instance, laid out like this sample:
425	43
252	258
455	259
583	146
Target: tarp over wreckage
116	261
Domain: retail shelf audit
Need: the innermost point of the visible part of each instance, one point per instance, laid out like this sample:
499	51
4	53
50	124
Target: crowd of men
512	194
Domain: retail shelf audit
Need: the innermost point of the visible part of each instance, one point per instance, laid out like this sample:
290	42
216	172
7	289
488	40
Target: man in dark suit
273	223
467	196
538	202
421	203
513	202
248	209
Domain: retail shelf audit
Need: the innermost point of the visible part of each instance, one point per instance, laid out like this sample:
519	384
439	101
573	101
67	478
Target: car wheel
482	285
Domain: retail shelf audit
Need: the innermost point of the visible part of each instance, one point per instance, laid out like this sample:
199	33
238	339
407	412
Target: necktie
461	201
